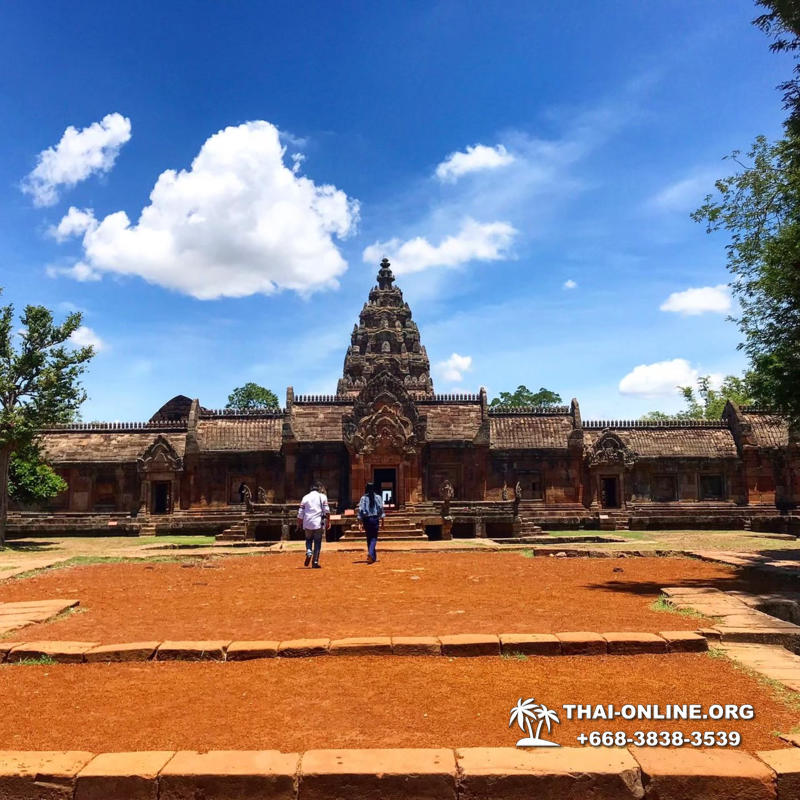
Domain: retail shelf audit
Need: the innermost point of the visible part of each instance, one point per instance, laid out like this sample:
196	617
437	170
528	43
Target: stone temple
450	464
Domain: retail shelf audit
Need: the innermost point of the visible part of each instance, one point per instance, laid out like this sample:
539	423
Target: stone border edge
444	772
454	645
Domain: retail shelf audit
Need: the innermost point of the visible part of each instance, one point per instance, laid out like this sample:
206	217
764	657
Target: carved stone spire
386	338
385	276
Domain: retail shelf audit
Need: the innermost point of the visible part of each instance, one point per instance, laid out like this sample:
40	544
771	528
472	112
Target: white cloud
475	241
663	378
691	302
238	222
476	158
86	337
685	194
79	154
453	369
570	284
76	222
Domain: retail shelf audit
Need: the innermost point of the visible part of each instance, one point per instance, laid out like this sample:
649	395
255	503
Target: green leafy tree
251	396
704	402
523	396
30	480
759	208
39	383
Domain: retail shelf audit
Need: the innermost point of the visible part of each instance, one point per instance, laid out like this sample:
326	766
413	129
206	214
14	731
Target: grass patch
32	662
662	603
786	696
84	561
188	541
514	655
529	553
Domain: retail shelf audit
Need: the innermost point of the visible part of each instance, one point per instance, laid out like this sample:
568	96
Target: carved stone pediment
160	456
384	419
610	450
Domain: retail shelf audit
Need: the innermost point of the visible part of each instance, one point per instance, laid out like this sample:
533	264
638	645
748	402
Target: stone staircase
237	532
611	520
147	527
398	526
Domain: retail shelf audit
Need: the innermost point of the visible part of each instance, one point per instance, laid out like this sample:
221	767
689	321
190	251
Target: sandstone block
301	648
530	644
62	652
129	775
245	651
581	643
416	646
786	765
130	651
40	775
684	641
703	774
470	644
243	774
213	650
378	774
625	643
365	646
565	773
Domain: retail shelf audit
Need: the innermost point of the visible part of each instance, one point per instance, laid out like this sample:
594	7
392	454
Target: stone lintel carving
160	456
384	419
610	450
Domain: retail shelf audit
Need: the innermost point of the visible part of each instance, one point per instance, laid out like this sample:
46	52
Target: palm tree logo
527	710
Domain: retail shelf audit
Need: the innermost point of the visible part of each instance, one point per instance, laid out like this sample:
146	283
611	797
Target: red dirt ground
274	597
299	704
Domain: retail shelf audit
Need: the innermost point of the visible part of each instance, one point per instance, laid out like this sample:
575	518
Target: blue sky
236	170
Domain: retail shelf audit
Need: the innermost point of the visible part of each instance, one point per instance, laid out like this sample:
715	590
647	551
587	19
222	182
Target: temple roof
768	430
385	338
692	441
111	446
534	431
243	435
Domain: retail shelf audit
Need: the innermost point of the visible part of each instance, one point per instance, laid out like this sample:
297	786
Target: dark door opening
161	498
385	480
609	492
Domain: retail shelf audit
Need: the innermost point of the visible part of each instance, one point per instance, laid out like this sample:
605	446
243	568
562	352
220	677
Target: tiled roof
239	434
116	446
515	432
318	423
769	430
451	421
676	442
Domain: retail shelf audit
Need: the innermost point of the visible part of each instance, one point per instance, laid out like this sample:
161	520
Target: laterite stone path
28	612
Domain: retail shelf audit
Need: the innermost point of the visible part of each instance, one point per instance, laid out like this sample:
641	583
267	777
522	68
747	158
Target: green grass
514	656
84	561
189	541
662	603
31	662
786	696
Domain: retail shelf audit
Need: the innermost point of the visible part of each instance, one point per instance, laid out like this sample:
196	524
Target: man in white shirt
312	519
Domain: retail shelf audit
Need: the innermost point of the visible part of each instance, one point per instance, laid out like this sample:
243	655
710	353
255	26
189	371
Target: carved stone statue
262	495
505	492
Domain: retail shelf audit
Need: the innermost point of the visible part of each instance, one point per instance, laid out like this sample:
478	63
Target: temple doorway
161	498
609	492
385	481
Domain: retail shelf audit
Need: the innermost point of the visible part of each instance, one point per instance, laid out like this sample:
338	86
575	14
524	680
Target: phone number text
661	739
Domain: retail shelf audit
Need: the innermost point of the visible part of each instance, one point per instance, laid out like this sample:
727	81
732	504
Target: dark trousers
314	537
371	529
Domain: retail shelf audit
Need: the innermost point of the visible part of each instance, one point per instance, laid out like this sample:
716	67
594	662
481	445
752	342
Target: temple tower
386	338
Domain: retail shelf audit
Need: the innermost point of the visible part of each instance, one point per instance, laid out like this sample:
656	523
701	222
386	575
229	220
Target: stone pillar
480	528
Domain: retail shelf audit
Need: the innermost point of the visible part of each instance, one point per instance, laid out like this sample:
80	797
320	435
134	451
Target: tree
30	480
759	207
39	383
523	396
252	396
705	402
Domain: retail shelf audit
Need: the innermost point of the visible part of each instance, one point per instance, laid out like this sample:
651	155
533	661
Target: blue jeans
371	525
316	538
